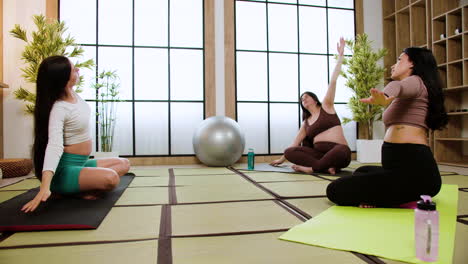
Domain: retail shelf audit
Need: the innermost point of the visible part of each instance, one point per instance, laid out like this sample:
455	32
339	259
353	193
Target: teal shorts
67	174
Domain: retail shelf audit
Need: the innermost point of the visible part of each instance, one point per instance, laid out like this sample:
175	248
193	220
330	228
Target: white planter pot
100	155
369	151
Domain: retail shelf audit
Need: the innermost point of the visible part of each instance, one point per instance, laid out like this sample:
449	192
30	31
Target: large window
157	49
284	48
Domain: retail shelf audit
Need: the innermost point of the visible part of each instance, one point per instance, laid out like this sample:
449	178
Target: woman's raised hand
340	47
377	98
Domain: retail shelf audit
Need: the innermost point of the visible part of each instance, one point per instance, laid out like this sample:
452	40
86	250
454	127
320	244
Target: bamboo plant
49	39
107	95
362	74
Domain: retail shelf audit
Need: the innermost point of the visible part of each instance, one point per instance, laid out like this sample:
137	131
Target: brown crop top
324	122
410	104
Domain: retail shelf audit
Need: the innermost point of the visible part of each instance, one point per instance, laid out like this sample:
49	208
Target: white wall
373	27
18	128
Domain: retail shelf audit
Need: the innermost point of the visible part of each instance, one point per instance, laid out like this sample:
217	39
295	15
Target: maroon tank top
324	122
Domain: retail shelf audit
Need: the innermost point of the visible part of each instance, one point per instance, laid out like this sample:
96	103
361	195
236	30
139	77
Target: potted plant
47	40
362	74
107	95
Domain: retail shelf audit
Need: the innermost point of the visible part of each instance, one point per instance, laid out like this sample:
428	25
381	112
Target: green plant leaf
48	39
362	74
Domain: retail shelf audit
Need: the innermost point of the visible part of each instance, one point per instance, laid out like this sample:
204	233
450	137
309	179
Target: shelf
388	7
457	61
455	11
3	85
390	17
455	88
440	41
440	17
401	4
404	10
457	113
421	3
456	37
444	7
451	139
451	163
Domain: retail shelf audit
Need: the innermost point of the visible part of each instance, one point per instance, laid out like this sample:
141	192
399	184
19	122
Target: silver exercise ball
218	141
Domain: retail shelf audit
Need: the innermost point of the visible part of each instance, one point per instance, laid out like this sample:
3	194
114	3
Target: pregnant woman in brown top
324	147
414	104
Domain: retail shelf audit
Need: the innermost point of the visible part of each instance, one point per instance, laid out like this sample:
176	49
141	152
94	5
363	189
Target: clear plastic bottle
250	159
426	229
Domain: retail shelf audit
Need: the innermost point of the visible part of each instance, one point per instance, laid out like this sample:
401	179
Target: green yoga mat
384	232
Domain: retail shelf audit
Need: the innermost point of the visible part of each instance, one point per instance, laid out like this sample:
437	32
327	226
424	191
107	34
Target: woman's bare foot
363	205
299	168
332	171
91	195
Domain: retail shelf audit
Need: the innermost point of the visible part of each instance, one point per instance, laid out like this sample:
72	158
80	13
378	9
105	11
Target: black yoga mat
59	213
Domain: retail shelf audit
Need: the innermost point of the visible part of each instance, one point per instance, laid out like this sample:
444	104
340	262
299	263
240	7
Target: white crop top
68	124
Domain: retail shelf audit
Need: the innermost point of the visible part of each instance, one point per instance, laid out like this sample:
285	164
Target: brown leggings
321	157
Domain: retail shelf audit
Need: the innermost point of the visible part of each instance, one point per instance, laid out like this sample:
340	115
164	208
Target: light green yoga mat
384	232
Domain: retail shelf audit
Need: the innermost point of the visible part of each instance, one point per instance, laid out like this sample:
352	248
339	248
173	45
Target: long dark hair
425	66
305	113
52	78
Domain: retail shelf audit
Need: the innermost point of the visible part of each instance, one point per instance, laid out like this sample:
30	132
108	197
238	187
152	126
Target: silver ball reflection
218	141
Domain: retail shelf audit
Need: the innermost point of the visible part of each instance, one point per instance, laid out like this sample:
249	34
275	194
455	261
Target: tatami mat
462	203
149	181
213	179
141	252
311	206
298	189
217	215
460	180
461	241
202	171
7	195
122	223
230	218
220	192
253	248
150	172
355	165
278	176
144	195
23	185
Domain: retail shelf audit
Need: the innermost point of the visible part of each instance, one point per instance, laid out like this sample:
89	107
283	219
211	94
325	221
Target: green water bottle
250	159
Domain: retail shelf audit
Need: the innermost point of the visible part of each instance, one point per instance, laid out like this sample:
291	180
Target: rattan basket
15	167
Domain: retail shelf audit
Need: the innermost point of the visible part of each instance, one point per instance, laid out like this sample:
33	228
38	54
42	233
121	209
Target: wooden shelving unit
450	46
406	23
440	25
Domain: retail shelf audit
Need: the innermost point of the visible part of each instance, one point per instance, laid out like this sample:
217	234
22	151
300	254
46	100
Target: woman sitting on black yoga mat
324	147
62	142
415	104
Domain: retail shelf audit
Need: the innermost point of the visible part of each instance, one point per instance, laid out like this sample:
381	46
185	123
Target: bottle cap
426	203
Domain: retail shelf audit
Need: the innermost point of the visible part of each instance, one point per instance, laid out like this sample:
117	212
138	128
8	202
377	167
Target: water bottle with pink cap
426	229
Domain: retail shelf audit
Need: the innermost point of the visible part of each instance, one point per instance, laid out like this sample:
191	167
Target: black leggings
321	157
408	171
